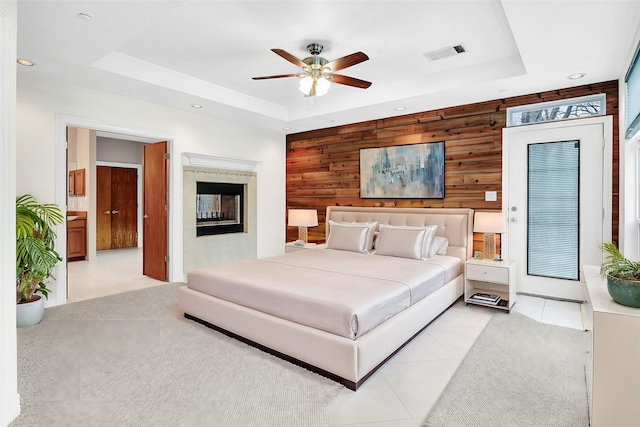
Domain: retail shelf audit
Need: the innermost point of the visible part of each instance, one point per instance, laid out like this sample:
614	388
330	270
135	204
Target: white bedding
341	292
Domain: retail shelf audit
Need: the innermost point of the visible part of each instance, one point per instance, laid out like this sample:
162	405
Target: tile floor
403	391
114	271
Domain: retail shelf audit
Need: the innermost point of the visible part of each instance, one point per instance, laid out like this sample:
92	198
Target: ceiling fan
317	73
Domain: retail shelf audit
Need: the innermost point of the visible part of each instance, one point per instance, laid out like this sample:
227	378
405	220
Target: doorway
557	200
129	239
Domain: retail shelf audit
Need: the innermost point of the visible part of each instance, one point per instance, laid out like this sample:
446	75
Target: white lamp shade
303	217
322	86
305	85
307	82
488	222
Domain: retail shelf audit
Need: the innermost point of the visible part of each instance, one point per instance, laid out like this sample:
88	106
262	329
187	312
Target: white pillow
438	246
405	241
430	231
353	236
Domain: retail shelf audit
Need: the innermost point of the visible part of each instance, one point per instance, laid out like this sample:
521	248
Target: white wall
42	103
628	229
9	397
118	151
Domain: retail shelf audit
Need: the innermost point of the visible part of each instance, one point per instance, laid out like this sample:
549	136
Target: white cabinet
490	277
614	345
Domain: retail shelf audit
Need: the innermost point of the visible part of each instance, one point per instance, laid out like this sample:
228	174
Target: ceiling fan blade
349	81
346	61
278	76
286	55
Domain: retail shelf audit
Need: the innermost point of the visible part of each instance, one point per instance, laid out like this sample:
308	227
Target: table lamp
489	223
302	218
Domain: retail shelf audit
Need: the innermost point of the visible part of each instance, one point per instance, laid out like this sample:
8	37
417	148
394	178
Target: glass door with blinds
558	202
553	210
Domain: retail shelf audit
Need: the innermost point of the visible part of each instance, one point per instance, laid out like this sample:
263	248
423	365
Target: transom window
566	109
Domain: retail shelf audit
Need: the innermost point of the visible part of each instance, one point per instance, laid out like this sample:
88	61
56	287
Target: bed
339	310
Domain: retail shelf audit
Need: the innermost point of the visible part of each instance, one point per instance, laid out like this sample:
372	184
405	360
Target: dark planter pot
625	292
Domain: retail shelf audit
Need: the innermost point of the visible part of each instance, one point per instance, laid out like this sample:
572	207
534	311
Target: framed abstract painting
405	171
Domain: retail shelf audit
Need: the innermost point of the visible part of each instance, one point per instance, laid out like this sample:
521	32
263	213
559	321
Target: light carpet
133	360
518	373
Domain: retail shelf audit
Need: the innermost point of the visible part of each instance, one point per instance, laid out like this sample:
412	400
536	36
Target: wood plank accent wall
322	166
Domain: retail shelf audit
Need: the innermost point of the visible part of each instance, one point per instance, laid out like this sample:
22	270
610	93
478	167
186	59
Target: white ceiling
179	53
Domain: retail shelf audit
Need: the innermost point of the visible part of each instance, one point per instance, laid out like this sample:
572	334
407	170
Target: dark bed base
347	383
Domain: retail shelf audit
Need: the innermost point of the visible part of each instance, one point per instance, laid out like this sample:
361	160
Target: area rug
133	360
518	373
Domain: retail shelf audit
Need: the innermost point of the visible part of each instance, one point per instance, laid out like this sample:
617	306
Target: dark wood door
155	196
124	204
117	203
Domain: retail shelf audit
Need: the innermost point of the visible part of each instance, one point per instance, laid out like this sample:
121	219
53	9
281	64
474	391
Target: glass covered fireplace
219	208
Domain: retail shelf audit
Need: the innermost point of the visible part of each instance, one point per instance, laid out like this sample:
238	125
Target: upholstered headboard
453	223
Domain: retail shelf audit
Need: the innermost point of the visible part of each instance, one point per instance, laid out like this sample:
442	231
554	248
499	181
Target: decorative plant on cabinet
623	276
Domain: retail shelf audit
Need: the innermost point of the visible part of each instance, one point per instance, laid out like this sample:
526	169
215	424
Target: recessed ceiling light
401	108
286	128
196	106
502	90
25	62
85	16
576	76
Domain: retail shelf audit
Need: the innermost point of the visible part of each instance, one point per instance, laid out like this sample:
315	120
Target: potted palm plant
623	276
35	256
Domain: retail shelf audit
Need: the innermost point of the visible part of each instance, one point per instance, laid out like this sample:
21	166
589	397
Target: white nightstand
490	277
291	247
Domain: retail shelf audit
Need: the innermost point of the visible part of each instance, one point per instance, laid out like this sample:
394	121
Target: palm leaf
615	264
35	244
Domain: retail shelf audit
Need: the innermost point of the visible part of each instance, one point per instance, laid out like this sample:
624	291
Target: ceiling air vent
445	52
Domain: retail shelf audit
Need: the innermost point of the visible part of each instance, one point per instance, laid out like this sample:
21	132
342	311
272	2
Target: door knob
145	216
114	211
107	212
514	208
514	219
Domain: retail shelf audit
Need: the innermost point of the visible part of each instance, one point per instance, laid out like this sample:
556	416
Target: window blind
632	79
553	204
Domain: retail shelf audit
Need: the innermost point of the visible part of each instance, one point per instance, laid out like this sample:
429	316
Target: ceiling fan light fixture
306	83
316	78
322	86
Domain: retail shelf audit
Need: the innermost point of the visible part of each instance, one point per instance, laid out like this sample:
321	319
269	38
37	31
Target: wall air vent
445	52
